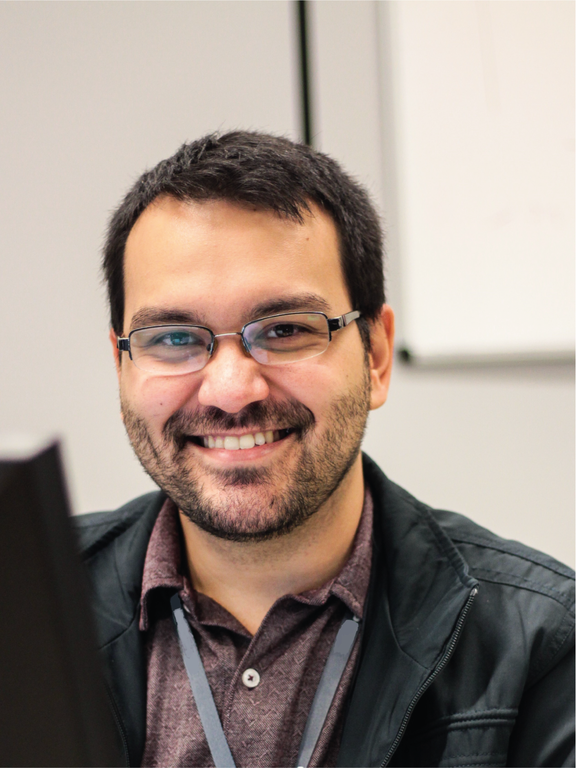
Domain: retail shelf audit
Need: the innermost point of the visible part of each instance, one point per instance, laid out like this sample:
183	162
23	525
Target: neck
247	578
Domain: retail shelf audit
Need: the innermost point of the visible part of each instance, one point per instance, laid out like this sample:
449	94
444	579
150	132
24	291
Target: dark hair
269	173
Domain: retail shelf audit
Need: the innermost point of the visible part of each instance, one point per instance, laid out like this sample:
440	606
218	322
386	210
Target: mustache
261	415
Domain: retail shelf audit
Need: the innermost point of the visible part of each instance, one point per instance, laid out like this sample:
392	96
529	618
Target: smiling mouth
241	442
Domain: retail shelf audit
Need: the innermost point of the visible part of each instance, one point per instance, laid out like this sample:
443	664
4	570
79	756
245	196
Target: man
280	602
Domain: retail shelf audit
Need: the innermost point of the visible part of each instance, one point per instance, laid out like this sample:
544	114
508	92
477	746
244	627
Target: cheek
154	398
313	384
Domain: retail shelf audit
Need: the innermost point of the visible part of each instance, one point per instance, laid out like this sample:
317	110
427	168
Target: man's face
220	265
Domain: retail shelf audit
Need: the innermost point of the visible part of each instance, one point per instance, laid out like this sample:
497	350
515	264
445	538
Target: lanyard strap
201	689
331	675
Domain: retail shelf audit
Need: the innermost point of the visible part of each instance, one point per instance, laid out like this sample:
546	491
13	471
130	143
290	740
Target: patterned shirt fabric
263	723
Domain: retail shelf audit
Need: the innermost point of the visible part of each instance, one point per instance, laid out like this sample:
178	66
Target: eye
176	339
173	339
284	331
284	334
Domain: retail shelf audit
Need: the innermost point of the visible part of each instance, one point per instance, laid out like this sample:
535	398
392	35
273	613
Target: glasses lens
170	350
286	338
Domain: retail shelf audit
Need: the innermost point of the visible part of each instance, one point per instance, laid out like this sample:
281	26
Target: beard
248	504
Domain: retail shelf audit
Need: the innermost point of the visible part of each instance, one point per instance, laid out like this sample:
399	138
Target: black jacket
467	645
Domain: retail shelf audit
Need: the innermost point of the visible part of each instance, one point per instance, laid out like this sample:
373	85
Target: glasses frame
334	324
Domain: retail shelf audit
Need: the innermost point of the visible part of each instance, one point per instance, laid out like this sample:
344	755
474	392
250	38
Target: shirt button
250	678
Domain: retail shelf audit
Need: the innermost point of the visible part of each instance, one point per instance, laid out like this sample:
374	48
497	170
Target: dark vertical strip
302	7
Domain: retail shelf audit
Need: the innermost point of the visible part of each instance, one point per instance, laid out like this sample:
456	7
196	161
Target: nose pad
245	346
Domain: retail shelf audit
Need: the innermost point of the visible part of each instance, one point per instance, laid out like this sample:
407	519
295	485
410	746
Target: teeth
247	441
242	442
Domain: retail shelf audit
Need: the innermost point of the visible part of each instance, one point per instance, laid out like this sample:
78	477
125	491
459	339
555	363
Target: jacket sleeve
544	731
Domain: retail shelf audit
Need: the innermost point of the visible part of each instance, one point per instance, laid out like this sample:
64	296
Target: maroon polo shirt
263	684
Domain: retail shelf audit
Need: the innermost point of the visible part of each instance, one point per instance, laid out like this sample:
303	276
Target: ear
117	359
115	351
381	353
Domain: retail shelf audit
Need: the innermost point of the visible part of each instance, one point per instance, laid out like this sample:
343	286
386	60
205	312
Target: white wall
94	92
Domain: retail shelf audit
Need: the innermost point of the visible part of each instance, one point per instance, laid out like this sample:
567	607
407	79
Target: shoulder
492	558
113	548
98	530
525	598
524	610
487	556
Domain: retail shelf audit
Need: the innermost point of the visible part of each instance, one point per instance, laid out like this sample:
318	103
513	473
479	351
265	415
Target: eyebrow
304	301
155	316
148	316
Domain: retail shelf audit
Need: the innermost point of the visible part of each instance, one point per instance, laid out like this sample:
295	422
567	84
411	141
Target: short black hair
269	173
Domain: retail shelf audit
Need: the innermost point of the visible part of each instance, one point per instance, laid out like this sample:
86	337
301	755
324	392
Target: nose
232	379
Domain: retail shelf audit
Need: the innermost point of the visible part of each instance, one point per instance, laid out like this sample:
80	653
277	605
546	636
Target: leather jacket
466	652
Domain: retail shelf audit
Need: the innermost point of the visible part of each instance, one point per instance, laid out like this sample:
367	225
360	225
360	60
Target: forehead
221	260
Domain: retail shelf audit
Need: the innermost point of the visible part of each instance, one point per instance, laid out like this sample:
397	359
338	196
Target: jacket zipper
441	664
119	725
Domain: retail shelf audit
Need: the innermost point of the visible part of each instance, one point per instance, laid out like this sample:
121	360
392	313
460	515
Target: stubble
249	503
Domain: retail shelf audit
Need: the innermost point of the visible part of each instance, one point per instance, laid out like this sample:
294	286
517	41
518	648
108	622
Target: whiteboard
481	121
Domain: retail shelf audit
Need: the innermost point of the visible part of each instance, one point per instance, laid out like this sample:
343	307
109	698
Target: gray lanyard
331	675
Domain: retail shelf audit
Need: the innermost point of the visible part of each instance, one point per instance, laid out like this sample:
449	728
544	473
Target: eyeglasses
170	350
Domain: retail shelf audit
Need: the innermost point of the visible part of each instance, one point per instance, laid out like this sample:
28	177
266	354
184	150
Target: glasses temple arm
341	322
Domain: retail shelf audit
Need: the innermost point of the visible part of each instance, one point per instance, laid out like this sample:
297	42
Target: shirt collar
163	564
351	584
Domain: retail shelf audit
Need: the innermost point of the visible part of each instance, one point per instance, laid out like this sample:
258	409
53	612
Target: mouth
241	442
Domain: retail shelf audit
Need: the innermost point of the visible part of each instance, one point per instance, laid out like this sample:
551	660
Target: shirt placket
271	692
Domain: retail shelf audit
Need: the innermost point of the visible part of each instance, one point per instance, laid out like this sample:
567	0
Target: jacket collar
419	587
